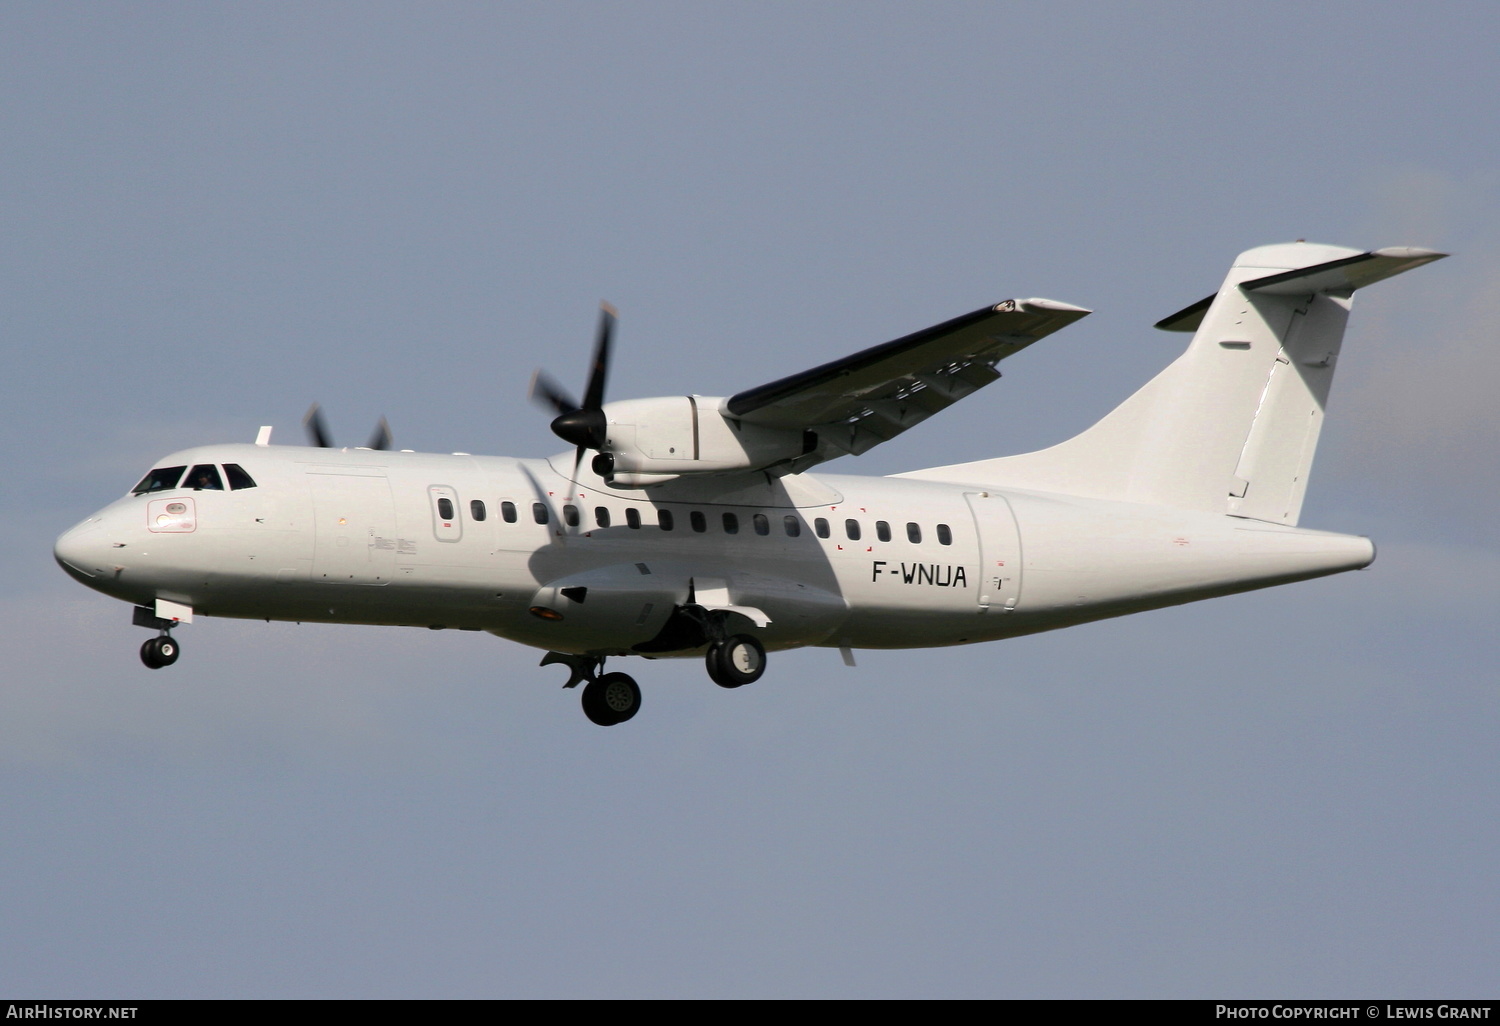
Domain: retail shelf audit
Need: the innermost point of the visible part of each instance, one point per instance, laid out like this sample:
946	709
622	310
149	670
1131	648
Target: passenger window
731	524
508	511
476	510
914	534
882	530
445	508
204	477
793	526
821	527
664	519
539	512
762	525
945	536
237	477
570	515
601	516
633	518
851	528
698	520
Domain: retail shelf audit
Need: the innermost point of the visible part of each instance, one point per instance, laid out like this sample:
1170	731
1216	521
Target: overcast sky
212	215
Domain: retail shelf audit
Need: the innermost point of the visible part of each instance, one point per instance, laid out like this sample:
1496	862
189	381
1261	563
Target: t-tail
1232	424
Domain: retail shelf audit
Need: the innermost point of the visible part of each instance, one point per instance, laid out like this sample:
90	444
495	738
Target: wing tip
1418	253
1038	303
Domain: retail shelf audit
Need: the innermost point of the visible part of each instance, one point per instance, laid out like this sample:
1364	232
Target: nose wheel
159	652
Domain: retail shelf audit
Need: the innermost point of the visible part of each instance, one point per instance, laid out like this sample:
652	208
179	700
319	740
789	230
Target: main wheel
158	652
736	662
613	698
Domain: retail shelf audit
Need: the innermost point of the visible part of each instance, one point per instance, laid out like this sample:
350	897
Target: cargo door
354	538
999	552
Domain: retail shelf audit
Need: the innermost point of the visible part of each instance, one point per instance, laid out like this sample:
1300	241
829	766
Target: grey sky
214	214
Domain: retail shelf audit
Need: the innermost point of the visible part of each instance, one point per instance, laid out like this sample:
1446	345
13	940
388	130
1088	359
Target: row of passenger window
760	523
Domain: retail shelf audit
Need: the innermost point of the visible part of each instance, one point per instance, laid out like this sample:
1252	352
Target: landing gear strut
608	698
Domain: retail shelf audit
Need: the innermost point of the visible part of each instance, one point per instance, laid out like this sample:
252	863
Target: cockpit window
159	480
204	477
237	477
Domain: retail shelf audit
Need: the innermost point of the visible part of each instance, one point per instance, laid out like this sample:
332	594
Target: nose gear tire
159	652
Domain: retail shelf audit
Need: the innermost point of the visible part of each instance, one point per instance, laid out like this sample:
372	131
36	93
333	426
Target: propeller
583	424
317	431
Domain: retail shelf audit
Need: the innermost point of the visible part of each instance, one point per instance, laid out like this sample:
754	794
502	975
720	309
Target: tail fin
1231	425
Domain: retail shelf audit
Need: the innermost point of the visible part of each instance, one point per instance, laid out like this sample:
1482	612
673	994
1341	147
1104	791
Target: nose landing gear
160	651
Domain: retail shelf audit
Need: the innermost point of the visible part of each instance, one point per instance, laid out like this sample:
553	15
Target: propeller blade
549	393
593	396
317	432
381	439
584	425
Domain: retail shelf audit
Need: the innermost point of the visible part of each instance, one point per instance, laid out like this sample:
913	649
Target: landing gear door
999	552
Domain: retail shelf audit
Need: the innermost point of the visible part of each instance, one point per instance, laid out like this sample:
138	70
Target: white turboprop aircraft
696	530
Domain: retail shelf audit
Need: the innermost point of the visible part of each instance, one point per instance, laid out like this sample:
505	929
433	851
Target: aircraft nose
83	551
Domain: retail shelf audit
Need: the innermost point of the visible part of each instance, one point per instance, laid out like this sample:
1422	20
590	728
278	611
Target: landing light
543	613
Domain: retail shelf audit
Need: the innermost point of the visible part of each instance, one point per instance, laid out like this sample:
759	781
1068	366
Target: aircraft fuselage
516	548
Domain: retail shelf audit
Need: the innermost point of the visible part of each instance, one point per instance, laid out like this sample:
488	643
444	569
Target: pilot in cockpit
205	476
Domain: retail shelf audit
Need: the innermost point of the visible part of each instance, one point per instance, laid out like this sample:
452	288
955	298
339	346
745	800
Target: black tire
613	698
158	652
736	662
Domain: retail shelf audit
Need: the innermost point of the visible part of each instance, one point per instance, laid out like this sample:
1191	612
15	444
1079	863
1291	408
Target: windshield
159	480
205	475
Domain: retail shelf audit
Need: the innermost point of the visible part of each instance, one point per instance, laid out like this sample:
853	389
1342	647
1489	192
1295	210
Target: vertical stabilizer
1231	425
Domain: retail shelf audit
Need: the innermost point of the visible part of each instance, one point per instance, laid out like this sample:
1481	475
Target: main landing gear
610	698
736	661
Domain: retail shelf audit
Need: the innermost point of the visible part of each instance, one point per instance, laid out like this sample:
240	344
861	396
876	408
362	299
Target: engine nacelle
655	440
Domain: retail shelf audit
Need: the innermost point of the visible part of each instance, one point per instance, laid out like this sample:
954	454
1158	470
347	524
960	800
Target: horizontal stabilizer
1343	276
1188	318
1337	277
